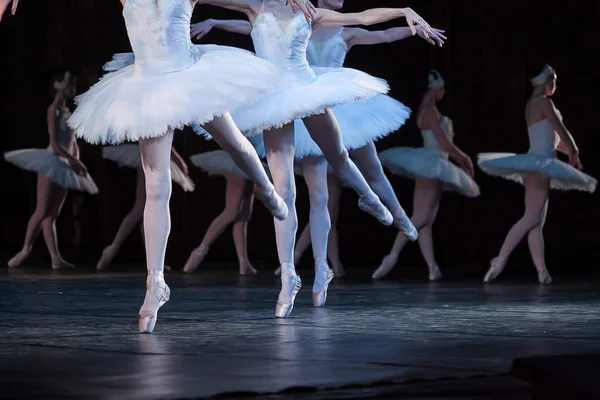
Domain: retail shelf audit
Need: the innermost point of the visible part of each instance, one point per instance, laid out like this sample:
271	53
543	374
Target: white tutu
127	106
428	163
128	155
511	166
360	122
50	165
218	162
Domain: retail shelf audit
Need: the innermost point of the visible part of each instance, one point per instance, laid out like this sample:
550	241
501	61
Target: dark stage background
493	48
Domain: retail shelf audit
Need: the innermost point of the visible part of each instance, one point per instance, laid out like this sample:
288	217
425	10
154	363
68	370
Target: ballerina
59	170
432	172
282	38
128	155
239	202
165	84
539	171
361	123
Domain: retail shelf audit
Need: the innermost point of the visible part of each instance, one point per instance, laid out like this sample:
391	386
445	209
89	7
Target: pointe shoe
290	283
496	267
108	254
195	260
246	269
323	277
544	277
157	294
273	201
387	264
59	263
404	224
434	273
371	204
19	258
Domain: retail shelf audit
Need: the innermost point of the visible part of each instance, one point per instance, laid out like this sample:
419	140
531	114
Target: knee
421	222
373	173
229	215
341	159
158	185
287	192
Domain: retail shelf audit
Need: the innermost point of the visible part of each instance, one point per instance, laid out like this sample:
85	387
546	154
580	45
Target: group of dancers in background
293	103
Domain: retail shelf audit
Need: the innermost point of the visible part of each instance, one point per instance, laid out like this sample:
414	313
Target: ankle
321	262
155	275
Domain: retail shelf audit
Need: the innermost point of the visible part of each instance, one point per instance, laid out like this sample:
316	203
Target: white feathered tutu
360	122
219	163
128	155
304	90
512	166
427	163
49	164
540	159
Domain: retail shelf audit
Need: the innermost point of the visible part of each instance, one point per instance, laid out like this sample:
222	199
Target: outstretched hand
199	30
413	18
4	5
437	36
307	8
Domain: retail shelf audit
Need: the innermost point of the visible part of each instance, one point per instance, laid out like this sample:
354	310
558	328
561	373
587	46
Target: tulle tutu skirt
218	162
360	122
292	100
128	155
422	162
49	164
127	105
511	166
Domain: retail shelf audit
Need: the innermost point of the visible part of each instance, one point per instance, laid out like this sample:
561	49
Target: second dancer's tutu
128	155
430	162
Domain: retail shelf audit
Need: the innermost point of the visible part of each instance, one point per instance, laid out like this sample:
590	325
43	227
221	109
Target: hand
199	30
4	5
309	11
574	159
438	36
467	165
78	166
413	18
184	168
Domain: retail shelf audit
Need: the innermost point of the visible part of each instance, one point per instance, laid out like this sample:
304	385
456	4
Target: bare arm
551	114
177	159
431	121
240	26
370	17
359	36
4	5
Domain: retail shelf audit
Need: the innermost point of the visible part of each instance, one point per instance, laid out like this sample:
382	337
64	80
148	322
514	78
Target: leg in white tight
325	131
156	162
234	196
49	229
369	164
279	146
240	230
229	137
537	189
315	174
425	206
131	220
334	187
47	196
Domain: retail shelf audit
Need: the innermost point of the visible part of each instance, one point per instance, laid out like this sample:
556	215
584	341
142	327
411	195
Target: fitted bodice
543	139
429	140
283	41
159	33
64	134
327	51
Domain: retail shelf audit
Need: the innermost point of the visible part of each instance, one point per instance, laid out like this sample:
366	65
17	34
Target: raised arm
567	143
240	26
430	120
360	36
4	5
370	17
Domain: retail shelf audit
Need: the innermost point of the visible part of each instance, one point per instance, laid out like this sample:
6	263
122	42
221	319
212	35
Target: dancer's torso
429	140
327	48
281	37
543	139
159	33
64	134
